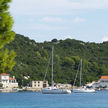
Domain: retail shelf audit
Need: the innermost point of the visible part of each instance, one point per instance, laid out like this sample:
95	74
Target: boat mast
52	65
80	71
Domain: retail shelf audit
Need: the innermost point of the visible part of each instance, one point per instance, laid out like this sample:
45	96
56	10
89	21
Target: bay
39	100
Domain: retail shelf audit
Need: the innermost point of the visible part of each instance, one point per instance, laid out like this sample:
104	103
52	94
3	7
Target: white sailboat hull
52	89
55	91
83	90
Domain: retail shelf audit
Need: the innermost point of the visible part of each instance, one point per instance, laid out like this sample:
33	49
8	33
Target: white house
102	83
7	81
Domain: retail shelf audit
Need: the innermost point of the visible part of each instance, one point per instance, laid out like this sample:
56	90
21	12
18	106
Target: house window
102	81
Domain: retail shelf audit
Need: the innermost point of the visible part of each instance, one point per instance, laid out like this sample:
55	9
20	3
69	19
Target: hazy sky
41	20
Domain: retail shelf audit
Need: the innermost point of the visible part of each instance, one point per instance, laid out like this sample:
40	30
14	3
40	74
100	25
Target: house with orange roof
7	81
102	83
104	77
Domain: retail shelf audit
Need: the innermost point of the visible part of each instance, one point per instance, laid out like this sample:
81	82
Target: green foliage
54	40
4	5
68	61
6	23
32	60
6	36
1	85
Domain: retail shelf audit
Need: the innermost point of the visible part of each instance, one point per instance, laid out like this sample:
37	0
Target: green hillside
32	59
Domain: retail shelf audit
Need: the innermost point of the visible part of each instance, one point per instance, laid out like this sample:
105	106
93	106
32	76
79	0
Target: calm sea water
38	100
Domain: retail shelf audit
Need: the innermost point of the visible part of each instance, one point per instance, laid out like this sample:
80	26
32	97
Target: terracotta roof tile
5	74
104	77
12	78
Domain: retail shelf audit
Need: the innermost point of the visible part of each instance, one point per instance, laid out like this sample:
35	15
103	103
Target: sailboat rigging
52	89
81	89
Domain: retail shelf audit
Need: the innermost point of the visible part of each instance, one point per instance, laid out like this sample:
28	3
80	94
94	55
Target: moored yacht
52	89
82	89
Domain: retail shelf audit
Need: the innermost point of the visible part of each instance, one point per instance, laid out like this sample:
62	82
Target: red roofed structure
11	78
104	77
4	74
8	82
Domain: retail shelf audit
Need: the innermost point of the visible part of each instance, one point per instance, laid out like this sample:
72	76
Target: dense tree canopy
32	60
6	36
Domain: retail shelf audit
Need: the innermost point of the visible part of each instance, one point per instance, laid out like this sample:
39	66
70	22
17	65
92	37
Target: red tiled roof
5	74
104	77
12	78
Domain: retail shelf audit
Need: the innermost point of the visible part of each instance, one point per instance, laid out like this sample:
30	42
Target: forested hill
32	59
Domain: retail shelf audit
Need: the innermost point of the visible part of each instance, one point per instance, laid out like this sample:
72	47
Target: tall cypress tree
6	36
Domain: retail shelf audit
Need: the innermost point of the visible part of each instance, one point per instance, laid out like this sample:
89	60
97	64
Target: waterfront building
102	83
7	81
38	85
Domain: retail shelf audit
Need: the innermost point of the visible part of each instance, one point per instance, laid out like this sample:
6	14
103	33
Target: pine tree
6	36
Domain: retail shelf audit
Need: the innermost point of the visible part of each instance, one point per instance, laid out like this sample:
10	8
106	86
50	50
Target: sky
44	20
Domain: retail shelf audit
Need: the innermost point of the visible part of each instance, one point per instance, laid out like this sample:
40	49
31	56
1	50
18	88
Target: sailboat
52	89
82	89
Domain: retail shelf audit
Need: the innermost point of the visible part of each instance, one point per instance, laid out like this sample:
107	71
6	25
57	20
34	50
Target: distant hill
32	59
